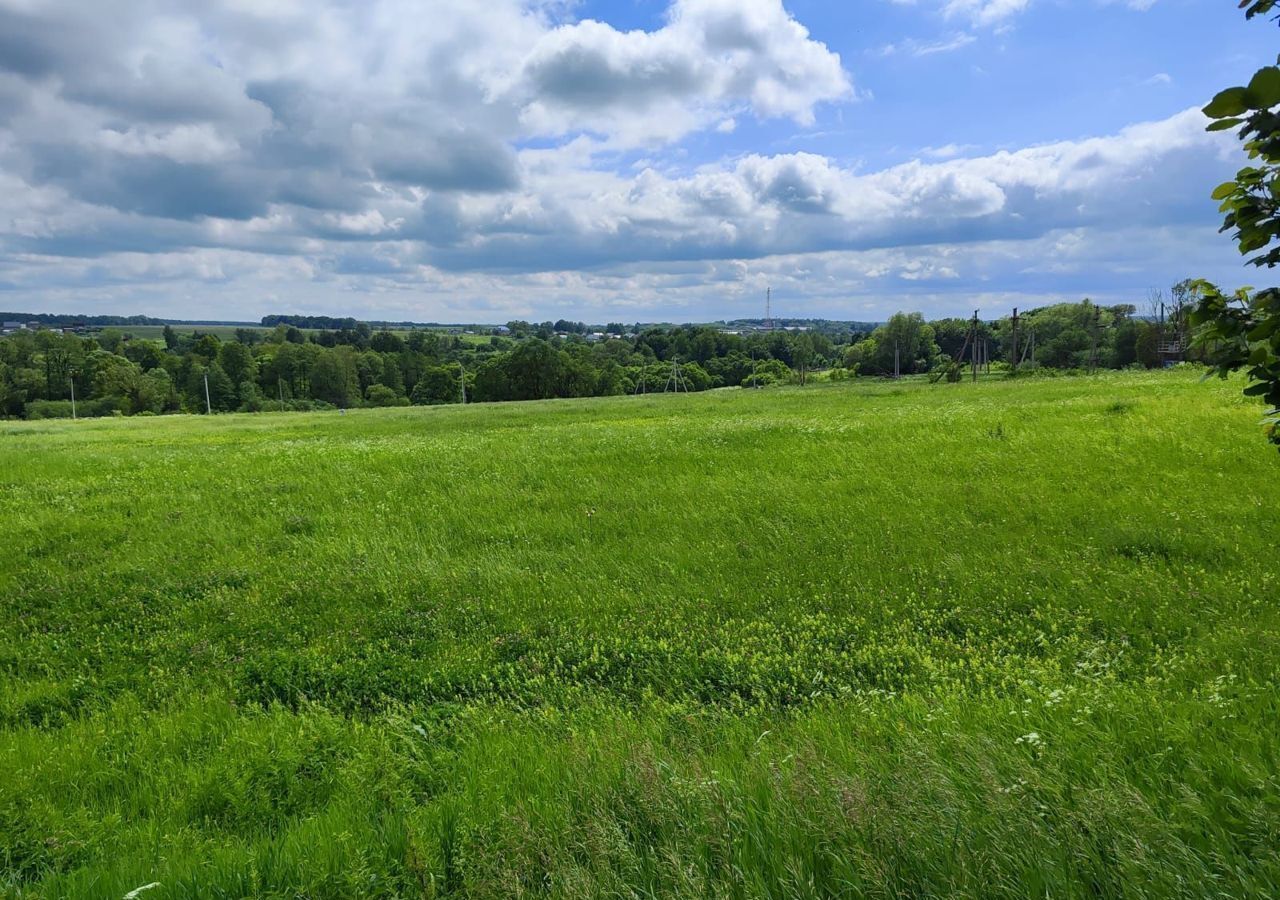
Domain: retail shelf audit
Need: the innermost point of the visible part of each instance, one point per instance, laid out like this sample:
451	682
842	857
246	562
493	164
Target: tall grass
1009	639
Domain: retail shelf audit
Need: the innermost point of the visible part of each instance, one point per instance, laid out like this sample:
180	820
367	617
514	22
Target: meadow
1008	639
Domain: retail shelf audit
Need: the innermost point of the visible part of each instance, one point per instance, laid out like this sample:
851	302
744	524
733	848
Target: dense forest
285	367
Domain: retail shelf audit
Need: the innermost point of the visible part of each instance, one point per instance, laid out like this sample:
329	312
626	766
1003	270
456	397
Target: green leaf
1264	89
1256	390
1224	124
1224	190
1231	102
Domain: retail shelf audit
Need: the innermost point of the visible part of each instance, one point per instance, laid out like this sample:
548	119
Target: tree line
356	365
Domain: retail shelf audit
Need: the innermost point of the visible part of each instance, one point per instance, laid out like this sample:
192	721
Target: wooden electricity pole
1097	333
973	355
1013	357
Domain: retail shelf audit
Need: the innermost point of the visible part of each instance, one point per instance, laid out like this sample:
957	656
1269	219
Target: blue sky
610	159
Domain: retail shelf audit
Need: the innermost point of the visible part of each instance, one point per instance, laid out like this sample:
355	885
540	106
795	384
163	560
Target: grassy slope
1004	639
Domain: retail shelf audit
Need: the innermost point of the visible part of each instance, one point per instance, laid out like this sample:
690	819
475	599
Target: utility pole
1097	332
462	382
973	356
208	405
73	396
1013	357
676	381
280	386
897	361
755	382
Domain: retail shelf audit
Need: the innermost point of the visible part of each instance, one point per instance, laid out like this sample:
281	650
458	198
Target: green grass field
1010	639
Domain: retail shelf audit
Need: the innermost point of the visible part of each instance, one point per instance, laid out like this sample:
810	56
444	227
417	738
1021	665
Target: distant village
9	327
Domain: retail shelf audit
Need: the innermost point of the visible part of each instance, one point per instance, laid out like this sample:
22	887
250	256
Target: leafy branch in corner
1242	330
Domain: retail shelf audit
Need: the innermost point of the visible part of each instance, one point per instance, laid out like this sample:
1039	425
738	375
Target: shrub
381	395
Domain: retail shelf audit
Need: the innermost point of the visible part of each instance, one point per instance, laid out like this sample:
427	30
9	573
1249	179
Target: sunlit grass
1005	639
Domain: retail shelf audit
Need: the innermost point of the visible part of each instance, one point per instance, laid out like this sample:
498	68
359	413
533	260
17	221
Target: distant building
11	327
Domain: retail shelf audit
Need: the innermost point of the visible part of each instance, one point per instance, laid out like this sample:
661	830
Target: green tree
392	376
222	390
1146	344
117	378
1242	330
206	347
333	377
11	396
436	385
534	371
803	355
237	361
155	393
145	353
110	340
905	336
381	395
251	397
386	342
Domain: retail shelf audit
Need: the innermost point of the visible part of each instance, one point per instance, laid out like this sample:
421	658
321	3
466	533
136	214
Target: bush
61	409
49	409
381	395
307	405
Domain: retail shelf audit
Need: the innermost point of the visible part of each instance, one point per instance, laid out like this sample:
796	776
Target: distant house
11	327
